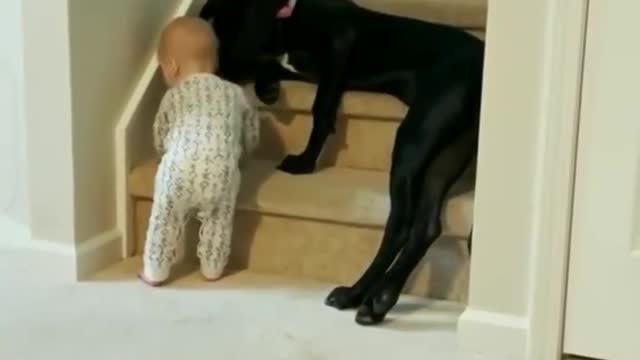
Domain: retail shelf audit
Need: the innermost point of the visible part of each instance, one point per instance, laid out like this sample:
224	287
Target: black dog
435	69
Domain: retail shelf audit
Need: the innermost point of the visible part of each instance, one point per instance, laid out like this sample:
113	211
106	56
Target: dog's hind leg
395	235
398	223
435	144
426	225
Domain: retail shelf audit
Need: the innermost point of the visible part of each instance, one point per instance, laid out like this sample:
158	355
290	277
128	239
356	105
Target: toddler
203	127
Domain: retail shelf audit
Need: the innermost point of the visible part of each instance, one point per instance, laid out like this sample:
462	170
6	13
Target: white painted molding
523	320
98	253
122	154
567	35
49	247
62	255
83	260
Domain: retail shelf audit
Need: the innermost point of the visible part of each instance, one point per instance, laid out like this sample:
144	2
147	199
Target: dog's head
247	31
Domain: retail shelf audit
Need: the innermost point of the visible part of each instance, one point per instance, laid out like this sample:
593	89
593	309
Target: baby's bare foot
211	276
150	282
212	279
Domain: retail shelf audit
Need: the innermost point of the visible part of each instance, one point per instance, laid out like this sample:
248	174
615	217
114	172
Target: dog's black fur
435	69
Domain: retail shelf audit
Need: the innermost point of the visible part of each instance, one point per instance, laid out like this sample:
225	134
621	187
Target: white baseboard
98	253
492	336
79	261
60	258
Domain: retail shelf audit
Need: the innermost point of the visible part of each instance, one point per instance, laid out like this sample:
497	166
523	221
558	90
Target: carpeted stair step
466	14
326	226
365	128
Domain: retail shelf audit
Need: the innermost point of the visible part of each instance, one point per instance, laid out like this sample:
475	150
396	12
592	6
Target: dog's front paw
297	165
267	91
343	298
376	306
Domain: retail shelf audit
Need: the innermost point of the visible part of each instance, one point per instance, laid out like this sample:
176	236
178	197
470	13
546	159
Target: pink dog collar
287	10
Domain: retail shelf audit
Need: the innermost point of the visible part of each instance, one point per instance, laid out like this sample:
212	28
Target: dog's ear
262	21
245	29
213	8
209	10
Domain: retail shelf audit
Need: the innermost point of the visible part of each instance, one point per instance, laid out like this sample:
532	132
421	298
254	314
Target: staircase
327	226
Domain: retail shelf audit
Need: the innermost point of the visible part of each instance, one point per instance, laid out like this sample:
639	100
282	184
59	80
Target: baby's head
188	46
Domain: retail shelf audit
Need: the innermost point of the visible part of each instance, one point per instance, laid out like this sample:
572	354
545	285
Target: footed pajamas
203	128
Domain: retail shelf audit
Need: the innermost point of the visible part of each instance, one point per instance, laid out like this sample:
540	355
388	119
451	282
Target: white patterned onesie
203	128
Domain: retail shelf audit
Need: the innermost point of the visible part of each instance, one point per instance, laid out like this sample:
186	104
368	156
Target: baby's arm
161	125
250	124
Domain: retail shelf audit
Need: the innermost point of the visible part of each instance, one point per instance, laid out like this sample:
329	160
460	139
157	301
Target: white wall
110	43
81	60
14	214
48	121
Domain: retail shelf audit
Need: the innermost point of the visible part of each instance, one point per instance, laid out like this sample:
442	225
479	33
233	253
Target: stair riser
327	252
358	143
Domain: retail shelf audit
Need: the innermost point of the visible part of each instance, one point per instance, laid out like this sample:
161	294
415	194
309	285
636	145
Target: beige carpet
244	317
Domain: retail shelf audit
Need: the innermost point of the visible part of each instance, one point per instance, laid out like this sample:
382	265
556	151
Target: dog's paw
267	91
297	165
375	307
367	317
343	298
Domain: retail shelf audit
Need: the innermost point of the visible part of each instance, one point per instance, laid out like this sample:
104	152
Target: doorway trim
564	95
524	192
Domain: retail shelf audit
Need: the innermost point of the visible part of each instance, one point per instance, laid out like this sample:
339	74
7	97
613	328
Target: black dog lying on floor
435	69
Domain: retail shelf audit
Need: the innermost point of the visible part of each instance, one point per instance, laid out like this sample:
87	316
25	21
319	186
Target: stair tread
469	14
340	195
